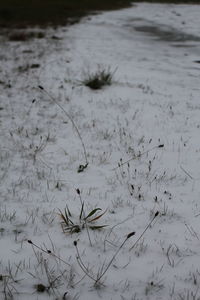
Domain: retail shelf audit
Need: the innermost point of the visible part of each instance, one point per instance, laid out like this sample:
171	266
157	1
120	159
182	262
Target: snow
148	115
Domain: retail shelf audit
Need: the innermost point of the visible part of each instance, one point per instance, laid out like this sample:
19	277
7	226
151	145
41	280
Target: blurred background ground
23	13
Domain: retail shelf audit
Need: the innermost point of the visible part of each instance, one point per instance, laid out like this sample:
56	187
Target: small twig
70	118
156	214
137	156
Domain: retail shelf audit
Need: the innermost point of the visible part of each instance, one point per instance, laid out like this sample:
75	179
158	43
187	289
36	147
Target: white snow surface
153	101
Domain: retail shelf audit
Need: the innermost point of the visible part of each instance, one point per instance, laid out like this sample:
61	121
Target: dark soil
23	13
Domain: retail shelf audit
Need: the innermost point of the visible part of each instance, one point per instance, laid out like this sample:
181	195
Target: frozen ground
153	101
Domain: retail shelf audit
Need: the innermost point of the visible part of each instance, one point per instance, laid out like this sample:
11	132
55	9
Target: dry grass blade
98	217
65	217
72	225
92	213
97	227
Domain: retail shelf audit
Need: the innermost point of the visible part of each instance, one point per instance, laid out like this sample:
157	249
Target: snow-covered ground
150	115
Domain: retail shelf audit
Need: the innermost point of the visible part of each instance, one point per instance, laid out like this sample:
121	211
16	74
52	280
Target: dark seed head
78	191
156	214
75	243
40	288
130	234
30	242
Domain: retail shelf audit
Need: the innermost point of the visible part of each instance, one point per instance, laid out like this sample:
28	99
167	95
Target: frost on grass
136	149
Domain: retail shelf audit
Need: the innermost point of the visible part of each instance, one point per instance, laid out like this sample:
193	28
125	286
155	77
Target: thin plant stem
81	263
156	214
70	118
112	259
137	156
49	252
84	216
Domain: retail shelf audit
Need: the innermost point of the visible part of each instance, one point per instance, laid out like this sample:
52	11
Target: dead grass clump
23	36
99	79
